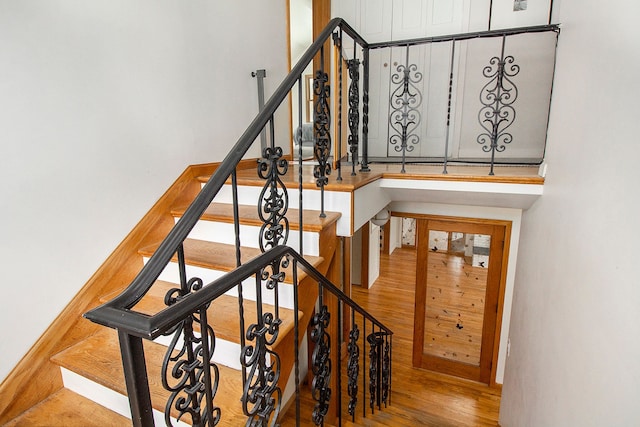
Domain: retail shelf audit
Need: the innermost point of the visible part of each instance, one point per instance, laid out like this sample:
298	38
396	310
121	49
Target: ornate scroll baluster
354	115
274	199
386	372
405	102
321	363
321	122
187	370
364	165
337	41
262	397
373	369
497	97
353	369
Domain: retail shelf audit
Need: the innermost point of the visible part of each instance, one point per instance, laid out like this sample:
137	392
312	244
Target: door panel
458	275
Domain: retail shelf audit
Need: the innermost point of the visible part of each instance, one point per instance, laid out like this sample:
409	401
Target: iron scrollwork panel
497	96
321	123
405	103
187	370
386	372
373	369
354	115
321	365
353	369
262	395
274	199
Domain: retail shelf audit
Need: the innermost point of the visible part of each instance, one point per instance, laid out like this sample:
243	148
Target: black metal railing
193	379
436	84
188	372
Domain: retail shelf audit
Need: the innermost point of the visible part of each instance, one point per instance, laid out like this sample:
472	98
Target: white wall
374	253
102	105
576	309
395	234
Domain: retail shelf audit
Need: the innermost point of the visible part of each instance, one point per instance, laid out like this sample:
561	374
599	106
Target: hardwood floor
419	397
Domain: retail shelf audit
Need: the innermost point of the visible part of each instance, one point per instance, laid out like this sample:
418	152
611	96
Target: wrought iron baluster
300	205
211	413
364	164
322	136
497	97
337	41
364	367
261	398
274	198
236	227
353	368
321	361
187	366
446	138
373	369
405	102
296	344
390	366
354	113
386	371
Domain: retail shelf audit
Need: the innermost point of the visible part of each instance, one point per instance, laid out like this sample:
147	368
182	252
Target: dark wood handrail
151	327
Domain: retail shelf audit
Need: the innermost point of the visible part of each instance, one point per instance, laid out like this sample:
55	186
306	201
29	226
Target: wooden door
458	282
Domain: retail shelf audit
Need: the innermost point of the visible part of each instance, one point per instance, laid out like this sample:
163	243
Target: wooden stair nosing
222	314
222	256
249	179
98	359
248	215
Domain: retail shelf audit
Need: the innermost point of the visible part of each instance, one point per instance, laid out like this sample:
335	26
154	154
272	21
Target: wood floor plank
419	397
68	409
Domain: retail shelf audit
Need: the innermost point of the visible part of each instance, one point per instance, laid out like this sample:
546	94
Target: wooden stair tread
223	212
222	256
98	359
222	314
68	409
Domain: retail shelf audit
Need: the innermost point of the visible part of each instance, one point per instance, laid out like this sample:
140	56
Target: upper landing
358	198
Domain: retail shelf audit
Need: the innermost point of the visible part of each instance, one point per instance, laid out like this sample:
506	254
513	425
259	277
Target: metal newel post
135	374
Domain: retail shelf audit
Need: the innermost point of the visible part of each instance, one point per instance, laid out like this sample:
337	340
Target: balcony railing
478	97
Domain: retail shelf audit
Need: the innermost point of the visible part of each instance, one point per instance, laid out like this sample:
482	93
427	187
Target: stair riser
335	201
249	236
225	352
171	274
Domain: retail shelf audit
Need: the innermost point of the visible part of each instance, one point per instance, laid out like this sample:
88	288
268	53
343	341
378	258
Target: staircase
210	319
91	369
